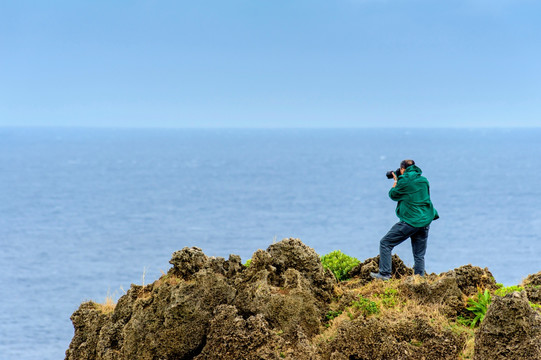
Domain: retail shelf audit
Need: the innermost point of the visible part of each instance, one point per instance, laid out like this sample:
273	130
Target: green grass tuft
503	290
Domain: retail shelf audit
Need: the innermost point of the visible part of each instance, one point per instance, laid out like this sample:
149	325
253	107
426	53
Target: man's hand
395	179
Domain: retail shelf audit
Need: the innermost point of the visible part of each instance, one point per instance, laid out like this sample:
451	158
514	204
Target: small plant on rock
389	298
366	306
479	306
339	264
463	321
332	314
108	306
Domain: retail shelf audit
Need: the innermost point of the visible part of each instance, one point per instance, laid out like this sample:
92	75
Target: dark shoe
379	276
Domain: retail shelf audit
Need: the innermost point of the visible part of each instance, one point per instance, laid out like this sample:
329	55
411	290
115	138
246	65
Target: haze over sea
85	212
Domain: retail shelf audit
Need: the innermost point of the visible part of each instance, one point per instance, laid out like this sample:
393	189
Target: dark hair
406	164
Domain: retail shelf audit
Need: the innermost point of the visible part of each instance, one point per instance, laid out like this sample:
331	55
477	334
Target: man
415	211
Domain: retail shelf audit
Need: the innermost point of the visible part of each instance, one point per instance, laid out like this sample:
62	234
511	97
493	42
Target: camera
390	173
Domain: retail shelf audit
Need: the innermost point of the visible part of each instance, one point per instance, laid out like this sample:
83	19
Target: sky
271	63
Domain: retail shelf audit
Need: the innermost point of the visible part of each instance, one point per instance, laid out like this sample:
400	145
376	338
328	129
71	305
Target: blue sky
270	63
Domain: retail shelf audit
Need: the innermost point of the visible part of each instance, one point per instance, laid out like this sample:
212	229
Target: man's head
405	164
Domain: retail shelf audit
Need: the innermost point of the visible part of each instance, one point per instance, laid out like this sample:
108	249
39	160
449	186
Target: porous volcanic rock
532	285
472	278
363	270
88	322
412	338
284	291
277	308
190	261
450	289
164	320
511	330
232	337
444	292
288	285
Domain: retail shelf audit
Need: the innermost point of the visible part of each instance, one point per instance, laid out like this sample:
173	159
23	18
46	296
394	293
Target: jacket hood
413	170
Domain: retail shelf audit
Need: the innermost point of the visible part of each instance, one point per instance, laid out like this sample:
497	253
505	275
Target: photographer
415	211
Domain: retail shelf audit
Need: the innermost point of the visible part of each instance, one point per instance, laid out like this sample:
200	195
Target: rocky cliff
285	305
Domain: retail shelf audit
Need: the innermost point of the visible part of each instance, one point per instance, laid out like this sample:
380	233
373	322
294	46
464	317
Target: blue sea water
87	212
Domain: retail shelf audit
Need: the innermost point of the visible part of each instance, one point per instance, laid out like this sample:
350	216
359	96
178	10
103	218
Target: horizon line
165	127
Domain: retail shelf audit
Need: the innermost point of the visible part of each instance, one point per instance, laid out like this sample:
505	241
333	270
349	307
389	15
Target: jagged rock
228	268
232	337
472	278
88	322
210	308
285	290
187	262
444	292
532	285
157	322
288	285
363	270
511	330
190	261
292	253
411	338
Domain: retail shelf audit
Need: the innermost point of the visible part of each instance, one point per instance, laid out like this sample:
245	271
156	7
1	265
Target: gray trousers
398	234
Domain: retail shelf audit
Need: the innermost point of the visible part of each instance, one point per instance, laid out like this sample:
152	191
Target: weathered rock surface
208	308
288	285
532	285
88	323
471	278
444	292
363	270
511	330
285	290
451	289
382	339
153	322
232	337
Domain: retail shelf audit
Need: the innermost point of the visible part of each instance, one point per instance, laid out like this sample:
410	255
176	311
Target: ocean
87	212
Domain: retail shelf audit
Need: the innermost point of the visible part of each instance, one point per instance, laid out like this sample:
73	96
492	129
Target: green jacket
412	192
